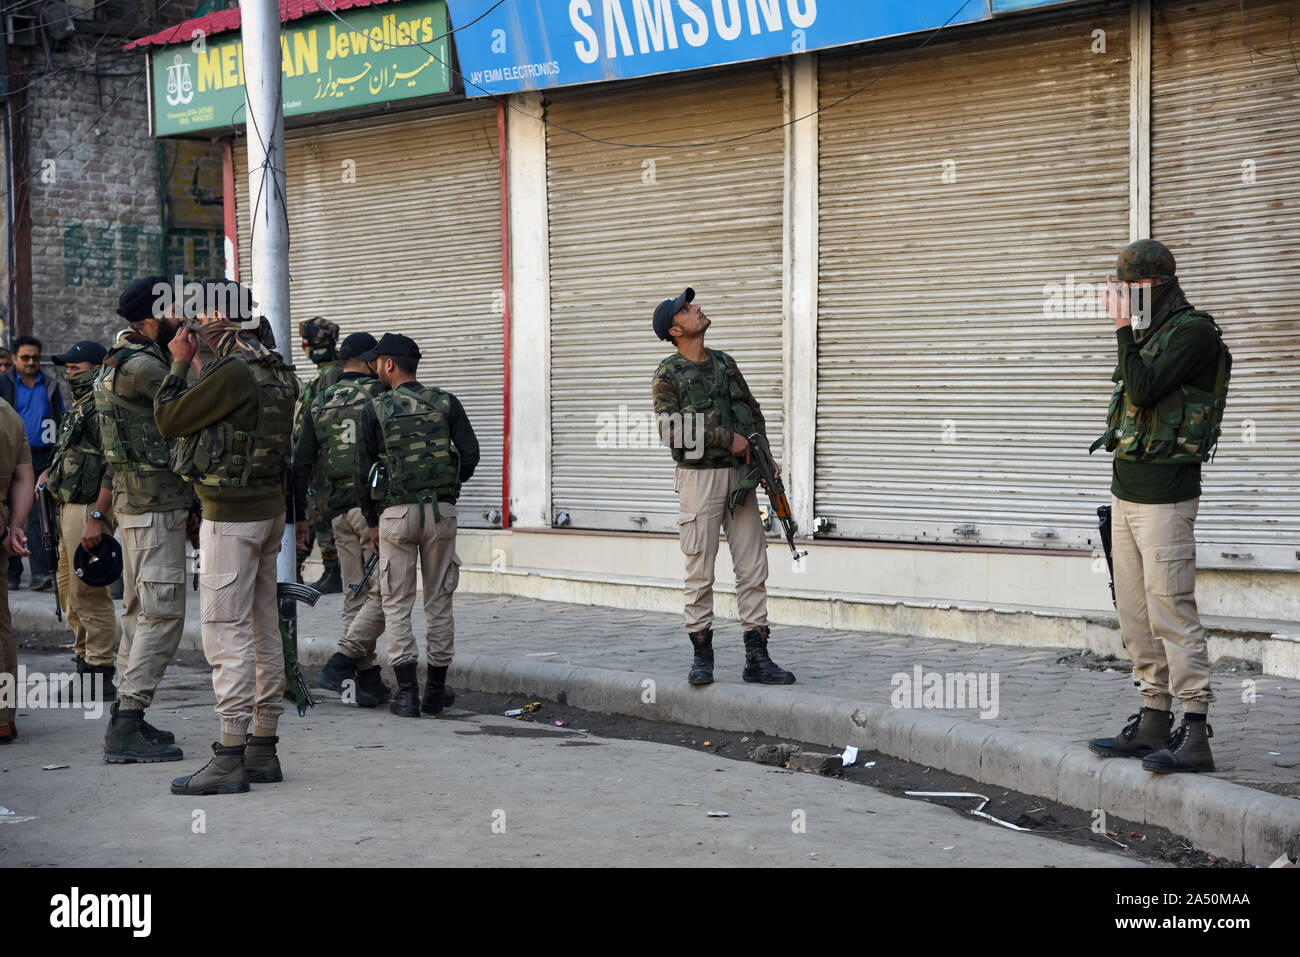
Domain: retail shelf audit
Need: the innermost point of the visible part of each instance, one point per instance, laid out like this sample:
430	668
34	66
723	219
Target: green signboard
327	65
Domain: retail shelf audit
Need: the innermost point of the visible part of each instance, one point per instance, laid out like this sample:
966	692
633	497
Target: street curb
1222	818
1219	817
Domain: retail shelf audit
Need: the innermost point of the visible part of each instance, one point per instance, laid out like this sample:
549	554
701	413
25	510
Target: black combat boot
224	774
371	689
149	731
1147	731
107	692
260	760
758	666
126	743
702	667
436	694
407	702
1188	750
330	583
338	669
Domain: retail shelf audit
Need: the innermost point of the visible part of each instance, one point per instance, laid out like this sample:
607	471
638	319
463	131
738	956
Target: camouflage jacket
699	405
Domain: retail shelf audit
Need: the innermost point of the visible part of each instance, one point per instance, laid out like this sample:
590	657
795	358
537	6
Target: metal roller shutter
629	227
1225	181
412	246
950	408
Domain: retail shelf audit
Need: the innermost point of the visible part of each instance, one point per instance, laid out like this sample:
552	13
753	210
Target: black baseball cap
356	344
84	351
665	311
394	345
137	301
101	567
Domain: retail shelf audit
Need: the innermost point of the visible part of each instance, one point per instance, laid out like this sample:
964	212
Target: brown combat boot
224	774
261	762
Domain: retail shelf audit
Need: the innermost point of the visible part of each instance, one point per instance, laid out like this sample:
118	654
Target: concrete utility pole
264	126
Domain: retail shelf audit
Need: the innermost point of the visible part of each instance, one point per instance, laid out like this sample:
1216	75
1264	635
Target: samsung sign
535	44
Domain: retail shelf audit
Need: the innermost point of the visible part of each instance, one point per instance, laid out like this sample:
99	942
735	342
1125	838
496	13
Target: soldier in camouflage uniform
79	481
327	445
235	432
706	413
420	441
1171	385
151	505
319	340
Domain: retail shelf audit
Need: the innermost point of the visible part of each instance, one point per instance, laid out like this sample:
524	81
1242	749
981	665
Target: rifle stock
48	511
1103	526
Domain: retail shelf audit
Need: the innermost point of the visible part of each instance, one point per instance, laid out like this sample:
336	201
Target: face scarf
1166	299
227	337
81	383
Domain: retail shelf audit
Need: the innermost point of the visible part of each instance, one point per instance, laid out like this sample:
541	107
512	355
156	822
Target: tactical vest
327	374
77	467
221	455
420	462
336	415
1184	426
128	431
720	397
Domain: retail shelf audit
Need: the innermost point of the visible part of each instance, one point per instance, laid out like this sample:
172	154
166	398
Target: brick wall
99	207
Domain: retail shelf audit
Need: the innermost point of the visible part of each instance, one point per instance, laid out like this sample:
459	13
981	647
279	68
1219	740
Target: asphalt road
365	788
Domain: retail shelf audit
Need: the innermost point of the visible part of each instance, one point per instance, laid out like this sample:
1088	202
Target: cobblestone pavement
1257	742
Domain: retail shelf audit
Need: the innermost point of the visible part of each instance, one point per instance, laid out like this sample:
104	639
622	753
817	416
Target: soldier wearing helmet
320	341
1166	406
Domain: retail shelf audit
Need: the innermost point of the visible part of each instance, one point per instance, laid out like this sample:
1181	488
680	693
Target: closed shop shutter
395	226
1225	193
956	397
630	227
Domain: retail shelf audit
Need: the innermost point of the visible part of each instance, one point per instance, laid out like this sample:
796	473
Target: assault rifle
297	685
764	470
48	510
1103	525
359	587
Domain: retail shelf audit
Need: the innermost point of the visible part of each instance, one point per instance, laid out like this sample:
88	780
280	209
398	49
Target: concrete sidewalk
1030	734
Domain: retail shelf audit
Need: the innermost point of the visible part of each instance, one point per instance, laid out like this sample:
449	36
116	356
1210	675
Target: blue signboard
535	44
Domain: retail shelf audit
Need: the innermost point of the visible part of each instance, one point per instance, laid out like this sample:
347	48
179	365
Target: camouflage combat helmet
322	336
1145	259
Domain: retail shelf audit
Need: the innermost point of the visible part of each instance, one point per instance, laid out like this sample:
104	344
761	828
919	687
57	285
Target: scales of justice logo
180	88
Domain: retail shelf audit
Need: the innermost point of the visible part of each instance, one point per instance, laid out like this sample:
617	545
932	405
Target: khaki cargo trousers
1154	550
241	621
703	517
8	655
153	592
90	611
405	539
352	538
